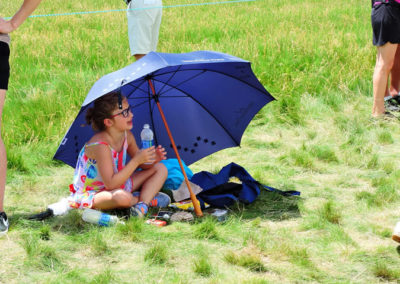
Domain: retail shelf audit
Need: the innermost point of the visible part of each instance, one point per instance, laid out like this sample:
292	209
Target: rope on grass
123	10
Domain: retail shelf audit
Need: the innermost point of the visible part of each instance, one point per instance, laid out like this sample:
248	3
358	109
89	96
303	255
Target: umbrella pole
195	202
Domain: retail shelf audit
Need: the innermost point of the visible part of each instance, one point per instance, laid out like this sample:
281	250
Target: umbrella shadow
271	206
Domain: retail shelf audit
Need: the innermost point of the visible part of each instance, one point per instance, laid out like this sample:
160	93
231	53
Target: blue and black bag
219	192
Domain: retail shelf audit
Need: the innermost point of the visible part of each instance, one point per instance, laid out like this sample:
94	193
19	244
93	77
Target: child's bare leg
151	181
117	198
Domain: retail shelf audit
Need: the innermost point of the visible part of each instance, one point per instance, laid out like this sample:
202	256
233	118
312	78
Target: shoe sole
396	238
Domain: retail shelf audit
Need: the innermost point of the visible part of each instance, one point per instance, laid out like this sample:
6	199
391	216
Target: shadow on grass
70	224
270	205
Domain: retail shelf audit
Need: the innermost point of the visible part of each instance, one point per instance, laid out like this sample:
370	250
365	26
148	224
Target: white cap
146	126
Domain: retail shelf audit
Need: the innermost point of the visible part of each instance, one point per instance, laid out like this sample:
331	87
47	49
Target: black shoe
42	215
3	223
397	99
392	103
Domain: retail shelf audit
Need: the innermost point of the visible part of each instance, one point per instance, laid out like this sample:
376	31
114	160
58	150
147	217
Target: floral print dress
87	181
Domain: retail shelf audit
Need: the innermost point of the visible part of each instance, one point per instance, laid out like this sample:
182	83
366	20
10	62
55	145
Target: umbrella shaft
195	202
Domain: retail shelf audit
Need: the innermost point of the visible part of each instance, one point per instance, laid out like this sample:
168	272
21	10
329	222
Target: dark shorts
385	19
4	65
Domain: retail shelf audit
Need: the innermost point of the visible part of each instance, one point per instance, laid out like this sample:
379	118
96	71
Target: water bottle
147	137
99	218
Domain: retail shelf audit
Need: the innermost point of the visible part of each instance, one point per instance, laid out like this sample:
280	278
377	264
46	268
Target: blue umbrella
203	99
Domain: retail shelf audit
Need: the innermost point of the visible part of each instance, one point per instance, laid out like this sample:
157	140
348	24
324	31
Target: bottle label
147	144
104	220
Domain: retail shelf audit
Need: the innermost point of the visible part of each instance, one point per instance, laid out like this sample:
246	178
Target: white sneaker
396	233
3	223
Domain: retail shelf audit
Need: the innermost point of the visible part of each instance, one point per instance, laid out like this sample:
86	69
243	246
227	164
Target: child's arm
160	153
101	153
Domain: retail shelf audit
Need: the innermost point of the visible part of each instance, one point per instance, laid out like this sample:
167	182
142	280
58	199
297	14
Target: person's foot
388	116
160	200
140	209
3	223
396	233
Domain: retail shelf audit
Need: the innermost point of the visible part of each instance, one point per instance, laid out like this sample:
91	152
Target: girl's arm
102	155
160	153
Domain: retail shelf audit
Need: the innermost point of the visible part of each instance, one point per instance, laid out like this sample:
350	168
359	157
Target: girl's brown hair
102	109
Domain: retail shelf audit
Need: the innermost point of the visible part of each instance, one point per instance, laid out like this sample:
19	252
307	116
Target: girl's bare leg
150	180
117	198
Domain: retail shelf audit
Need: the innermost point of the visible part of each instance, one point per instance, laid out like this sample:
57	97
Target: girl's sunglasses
124	113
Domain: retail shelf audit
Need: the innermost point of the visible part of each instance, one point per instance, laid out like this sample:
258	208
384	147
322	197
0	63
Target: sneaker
140	209
396	233
3	223
392	103
160	200
397	98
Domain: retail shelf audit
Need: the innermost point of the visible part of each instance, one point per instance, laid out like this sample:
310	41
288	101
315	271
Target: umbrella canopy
208	99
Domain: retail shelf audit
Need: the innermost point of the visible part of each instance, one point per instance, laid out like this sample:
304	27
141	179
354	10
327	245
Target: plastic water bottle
147	137
99	218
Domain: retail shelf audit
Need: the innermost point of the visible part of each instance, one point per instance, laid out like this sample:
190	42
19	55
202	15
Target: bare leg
117	198
151	181
384	63
138	56
395	75
3	156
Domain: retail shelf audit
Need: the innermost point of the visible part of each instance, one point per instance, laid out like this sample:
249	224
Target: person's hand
161	154
6	26
146	156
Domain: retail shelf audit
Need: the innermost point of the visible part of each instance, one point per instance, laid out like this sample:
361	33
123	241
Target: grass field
315	56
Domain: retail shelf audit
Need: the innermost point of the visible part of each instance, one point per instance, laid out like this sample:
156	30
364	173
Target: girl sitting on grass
103	179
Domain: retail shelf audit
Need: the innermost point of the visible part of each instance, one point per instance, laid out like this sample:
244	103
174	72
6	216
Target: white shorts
143	25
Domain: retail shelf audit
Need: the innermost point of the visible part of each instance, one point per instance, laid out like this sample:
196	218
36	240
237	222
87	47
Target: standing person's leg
394	88
384	63
156	23
136	34
144	19
4	76
3	156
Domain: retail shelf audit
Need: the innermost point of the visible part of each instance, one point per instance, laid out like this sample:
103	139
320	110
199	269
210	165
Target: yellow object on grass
186	205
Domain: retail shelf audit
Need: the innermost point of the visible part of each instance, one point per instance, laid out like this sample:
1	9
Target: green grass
315	57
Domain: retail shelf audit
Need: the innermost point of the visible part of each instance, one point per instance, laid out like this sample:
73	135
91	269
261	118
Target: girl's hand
161	154
146	156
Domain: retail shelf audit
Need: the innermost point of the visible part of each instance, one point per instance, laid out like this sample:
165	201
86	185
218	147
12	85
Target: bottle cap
146	126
